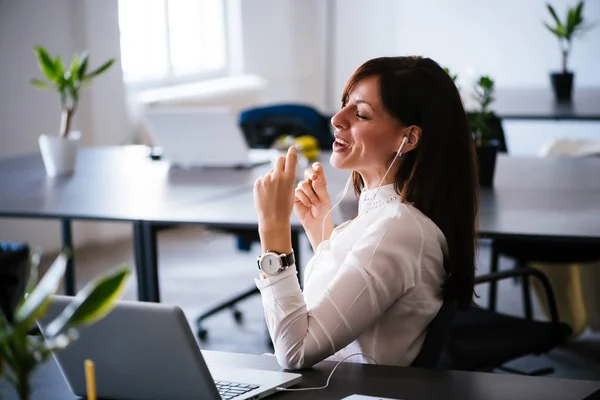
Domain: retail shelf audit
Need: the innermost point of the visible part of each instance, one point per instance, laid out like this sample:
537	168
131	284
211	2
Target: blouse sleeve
381	267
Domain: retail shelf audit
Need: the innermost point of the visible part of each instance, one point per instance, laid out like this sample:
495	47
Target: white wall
362	29
508	41
504	39
283	42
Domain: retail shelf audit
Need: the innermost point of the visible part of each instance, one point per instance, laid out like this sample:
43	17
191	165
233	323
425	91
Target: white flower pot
59	154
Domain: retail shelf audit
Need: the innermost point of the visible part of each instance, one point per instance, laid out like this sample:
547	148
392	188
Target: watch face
270	264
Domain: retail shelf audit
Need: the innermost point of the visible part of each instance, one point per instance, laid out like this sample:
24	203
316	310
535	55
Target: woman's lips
340	145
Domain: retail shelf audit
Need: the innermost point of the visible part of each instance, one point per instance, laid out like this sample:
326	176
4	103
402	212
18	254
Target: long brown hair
439	176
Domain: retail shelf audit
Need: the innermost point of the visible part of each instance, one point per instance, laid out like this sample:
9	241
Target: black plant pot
562	85
486	159
14	271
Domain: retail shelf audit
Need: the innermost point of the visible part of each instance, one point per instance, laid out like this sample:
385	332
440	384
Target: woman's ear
413	135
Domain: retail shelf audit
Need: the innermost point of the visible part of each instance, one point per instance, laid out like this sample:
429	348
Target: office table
110	184
374	380
532	199
539	104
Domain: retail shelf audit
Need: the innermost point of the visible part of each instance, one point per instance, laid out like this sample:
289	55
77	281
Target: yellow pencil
90	380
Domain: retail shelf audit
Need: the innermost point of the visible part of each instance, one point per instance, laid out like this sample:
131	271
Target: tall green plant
484	96
66	81
20	351
567	30
484	89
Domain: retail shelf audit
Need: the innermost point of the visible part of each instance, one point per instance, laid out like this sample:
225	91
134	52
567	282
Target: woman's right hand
312	202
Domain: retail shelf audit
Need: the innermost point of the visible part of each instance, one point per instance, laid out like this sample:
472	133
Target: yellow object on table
309	146
90	379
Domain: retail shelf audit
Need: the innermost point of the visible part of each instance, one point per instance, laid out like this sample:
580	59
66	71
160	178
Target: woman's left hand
274	193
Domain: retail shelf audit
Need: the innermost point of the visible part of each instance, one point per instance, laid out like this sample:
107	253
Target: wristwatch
272	262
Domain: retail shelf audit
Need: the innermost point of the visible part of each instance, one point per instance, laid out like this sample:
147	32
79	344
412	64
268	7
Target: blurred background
242	54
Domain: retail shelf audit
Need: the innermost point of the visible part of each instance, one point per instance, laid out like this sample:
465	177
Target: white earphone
404	140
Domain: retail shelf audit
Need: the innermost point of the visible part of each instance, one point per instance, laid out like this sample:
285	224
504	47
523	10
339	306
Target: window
172	41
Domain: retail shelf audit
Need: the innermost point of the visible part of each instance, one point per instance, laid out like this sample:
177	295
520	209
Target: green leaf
92	303
46	64
59	68
34	267
74	68
39	83
100	70
37	302
83	61
553	30
34	271
579	10
551	9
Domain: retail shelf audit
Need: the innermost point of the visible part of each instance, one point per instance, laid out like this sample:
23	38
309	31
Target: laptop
148	351
207	137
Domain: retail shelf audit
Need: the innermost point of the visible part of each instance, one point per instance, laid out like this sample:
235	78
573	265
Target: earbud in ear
404	140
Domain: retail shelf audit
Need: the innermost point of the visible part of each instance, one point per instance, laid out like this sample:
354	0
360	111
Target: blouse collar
372	198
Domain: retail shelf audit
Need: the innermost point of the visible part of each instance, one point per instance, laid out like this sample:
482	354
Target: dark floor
198	268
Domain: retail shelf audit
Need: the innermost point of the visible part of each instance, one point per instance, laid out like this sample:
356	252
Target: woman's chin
339	161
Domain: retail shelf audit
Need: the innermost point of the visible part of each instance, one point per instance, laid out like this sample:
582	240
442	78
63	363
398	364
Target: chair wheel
237	315
202	334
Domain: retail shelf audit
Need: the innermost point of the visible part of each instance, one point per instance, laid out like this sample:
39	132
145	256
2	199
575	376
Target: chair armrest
496	276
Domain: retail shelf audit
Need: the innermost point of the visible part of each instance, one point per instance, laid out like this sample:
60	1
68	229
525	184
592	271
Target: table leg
140	265
67	243
296	248
150	251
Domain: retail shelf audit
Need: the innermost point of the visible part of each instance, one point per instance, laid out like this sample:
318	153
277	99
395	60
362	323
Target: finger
309	173
291	159
319	183
306	187
300	196
279	165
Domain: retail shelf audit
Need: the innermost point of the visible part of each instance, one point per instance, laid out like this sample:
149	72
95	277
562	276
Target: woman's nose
338	120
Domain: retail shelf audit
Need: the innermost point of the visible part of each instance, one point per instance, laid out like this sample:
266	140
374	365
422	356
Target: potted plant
485	127
21	350
481	121
573	25
59	152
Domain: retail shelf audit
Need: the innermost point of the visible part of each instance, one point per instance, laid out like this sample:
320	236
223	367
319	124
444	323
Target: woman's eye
361	116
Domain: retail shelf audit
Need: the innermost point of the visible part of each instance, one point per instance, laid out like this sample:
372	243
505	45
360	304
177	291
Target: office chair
482	339
437	333
14	269
262	125
549	251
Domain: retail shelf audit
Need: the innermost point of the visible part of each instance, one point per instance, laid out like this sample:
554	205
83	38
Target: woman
375	282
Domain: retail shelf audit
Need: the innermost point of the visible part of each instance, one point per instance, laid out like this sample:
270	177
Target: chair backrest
437	334
14	269
262	125
571	148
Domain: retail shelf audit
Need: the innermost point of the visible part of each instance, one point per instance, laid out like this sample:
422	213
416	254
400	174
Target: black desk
111	184
539	104
391	382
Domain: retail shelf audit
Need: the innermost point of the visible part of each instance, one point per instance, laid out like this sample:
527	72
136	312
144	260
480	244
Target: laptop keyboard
231	390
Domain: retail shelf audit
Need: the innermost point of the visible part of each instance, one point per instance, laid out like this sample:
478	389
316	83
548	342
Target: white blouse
372	288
